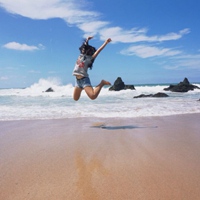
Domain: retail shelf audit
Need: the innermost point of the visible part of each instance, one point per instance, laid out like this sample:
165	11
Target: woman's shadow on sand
103	126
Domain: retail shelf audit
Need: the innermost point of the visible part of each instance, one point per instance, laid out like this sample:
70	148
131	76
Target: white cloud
174	36
189	61
174	59
177	64
22	47
118	34
3	78
34	72
145	51
93	27
77	14
69	10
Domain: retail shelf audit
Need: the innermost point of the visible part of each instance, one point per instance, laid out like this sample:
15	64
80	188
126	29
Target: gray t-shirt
82	65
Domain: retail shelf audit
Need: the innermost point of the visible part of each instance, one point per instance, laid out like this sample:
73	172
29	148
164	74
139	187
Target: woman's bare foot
104	82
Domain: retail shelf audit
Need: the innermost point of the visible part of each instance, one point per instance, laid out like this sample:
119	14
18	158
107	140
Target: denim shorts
83	82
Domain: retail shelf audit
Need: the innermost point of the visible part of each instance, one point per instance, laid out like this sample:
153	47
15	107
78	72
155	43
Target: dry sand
101	159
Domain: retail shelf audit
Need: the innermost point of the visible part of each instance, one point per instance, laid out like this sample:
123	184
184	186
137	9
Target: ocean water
34	103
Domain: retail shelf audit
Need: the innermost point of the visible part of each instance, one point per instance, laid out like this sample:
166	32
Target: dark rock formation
184	86
130	87
159	94
143	95
119	85
49	90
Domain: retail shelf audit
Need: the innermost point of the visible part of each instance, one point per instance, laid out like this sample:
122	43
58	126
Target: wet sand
101	159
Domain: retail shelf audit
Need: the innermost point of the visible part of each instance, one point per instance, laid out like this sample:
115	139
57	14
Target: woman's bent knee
92	97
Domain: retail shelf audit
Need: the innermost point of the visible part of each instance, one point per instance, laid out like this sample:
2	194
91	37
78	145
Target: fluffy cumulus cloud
22	47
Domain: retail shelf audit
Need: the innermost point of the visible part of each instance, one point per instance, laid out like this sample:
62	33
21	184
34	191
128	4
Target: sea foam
34	103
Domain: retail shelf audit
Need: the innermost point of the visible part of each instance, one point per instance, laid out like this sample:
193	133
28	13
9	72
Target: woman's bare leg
77	93
94	92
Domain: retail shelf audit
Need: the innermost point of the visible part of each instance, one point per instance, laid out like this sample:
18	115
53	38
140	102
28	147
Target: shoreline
96	117
101	158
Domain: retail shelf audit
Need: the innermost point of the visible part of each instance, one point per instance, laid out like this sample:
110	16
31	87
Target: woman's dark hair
87	49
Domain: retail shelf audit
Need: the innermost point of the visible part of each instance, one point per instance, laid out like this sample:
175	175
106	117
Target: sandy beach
101	159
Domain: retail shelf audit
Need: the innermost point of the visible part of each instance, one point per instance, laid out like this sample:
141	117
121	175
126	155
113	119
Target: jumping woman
85	61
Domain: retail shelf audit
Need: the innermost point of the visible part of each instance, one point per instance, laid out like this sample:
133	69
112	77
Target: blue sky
153	41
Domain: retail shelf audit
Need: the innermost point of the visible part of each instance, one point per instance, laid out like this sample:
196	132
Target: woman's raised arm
101	48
